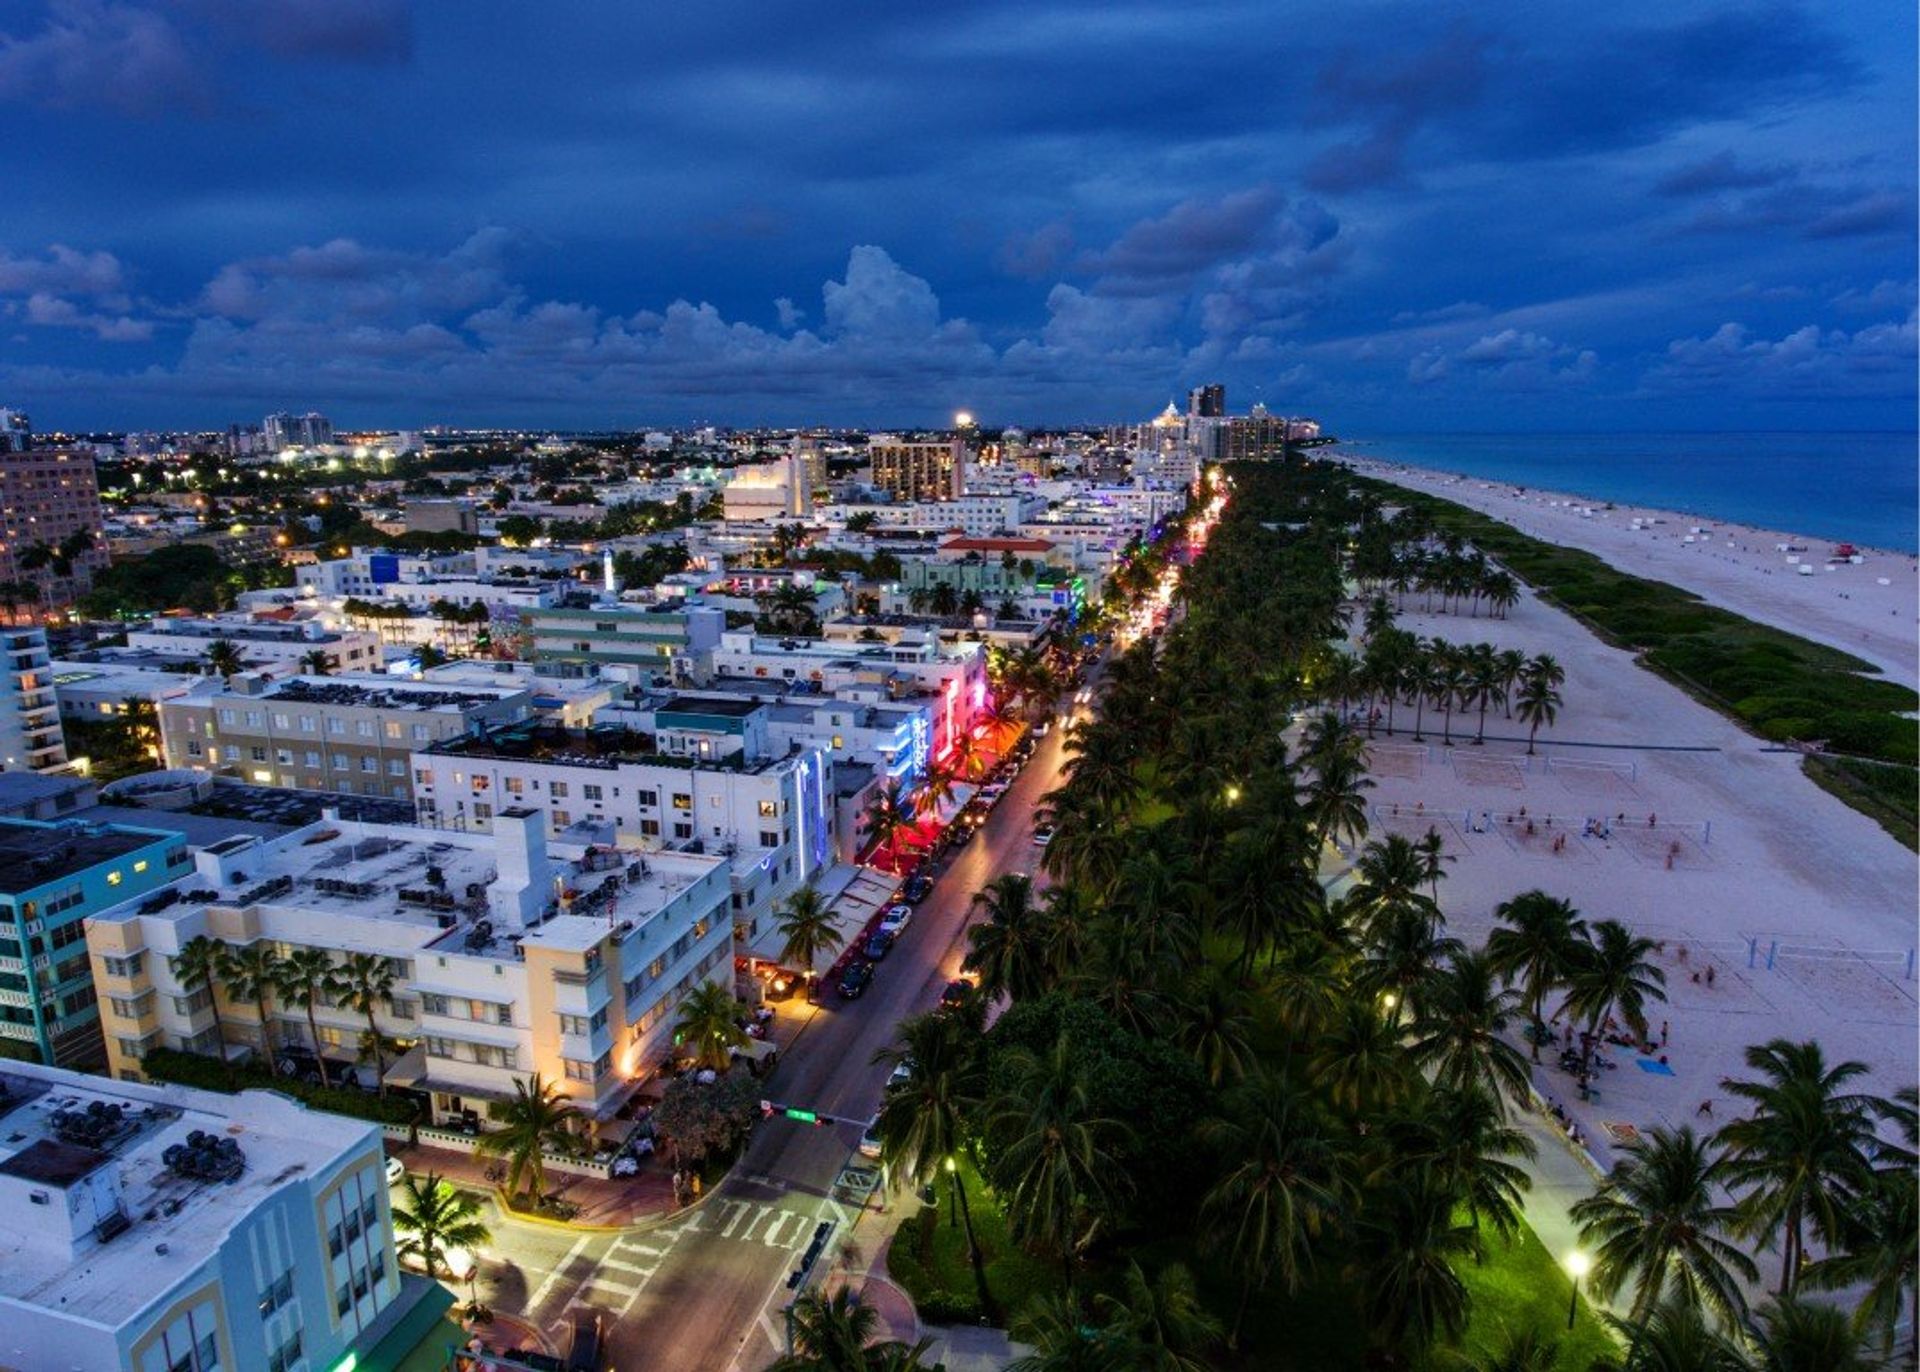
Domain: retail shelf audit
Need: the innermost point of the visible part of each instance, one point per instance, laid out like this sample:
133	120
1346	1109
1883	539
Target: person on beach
1706	1108
1663	1033
1709	976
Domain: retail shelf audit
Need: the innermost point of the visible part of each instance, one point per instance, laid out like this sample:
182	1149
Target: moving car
586	1340
855	980
895	921
878	945
1043	834
870	1141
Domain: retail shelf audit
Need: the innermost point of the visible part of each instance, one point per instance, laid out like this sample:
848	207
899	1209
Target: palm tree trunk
379	1058
1481	737
313	1028
1531	734
973	1244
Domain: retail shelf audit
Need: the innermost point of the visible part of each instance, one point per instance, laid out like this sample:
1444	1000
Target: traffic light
766	1109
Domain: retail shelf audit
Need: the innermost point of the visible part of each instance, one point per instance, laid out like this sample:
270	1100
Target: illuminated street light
1578	1265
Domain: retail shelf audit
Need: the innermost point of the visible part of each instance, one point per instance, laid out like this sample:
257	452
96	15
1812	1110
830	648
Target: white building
30	735
275	645
769	491
510	957
696	784
162	1229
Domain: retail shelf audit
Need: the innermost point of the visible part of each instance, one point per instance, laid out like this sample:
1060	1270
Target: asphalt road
706	1291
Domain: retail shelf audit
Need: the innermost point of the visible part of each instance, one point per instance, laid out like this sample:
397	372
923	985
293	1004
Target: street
705	1290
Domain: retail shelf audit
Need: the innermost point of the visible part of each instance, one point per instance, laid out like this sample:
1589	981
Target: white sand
1731	565
1766	865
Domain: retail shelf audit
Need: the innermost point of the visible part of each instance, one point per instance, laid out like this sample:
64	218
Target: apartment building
950	678
162	1229
47	495
53	875
350	735
263	644
634	640
511	956
919	469
31	739
693	785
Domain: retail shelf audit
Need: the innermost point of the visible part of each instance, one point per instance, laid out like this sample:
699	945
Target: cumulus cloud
62	271
879	299
1039	254
1810	361
54	312
94	54
1511	358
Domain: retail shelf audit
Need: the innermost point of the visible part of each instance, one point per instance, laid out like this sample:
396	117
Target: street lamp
1578	1264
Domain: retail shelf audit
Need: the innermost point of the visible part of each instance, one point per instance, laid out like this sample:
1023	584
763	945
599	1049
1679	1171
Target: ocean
1856	487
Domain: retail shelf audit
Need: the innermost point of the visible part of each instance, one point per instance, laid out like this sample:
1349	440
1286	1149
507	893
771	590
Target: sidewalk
604	1202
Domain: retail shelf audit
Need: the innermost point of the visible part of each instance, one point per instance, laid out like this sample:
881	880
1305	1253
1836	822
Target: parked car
896	920
396	1171
855	980
586	1340
918	888
870	1141
901	1074
1043	834
956	995
878	945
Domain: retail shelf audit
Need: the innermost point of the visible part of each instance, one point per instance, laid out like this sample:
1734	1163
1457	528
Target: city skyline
1400	219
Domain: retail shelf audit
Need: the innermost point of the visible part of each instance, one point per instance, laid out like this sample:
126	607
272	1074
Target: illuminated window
114	878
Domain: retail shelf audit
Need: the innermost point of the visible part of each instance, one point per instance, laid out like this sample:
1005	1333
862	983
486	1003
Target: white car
1043	835
896	919
870	1141
396	1171
901	1075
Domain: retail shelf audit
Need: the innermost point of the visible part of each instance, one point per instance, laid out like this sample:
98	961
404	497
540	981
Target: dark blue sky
1395	216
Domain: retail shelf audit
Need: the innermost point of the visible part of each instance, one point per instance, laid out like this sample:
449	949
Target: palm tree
538	1118
1614	974
1387	877
13	594
1285	1186
1336	799
709	1025
1538	943
1401	963
1657	1222
1215	1024
1802	1155
432	1216
305	978
924	1121
202	963
1408	1246
223	657
807	930
1053	1148
1800	1336
1063	1340
1464	1136
252	974
1458	1033
964	756
835	1333
1164	1319
316	663
363	982
888	815
1009	949
1360	1062
1876	1256
1674	1337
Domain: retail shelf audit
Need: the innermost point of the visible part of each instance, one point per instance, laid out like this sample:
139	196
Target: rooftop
34	854
174	1220
708	705
602	746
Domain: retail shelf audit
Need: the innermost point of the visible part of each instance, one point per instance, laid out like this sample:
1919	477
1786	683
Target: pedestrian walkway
610	1202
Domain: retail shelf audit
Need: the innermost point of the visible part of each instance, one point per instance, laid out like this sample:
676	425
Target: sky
1415	217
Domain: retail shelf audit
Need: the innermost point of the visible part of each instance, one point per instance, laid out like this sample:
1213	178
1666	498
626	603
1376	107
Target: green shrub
209	1074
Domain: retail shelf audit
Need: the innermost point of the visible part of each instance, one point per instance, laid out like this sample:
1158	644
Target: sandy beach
1869	608
1643	805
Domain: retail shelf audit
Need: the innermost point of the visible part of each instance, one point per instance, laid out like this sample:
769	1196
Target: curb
644	1225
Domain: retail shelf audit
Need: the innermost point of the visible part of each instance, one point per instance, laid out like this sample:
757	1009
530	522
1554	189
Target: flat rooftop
602	746
732	708
175	1221
33	855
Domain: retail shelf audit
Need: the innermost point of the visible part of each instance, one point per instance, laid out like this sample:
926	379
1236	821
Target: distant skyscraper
308	430
16	431
1207	402
48	495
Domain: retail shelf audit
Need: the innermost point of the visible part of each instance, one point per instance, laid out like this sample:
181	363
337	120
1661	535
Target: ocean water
1857	487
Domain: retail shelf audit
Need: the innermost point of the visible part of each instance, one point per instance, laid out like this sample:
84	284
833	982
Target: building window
336	725
514	785
561	819
769	840
682	801
578	1071
650	828
129	966
558	790
768	808
591	792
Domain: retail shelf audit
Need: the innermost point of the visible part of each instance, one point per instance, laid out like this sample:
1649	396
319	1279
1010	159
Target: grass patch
1520	1286
1884	792
1780	686
929	1258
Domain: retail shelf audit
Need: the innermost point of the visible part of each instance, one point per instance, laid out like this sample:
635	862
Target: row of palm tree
49	566
1399	668
1406	554
255	974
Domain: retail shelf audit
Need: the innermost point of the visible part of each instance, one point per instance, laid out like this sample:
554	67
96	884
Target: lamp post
1578	1264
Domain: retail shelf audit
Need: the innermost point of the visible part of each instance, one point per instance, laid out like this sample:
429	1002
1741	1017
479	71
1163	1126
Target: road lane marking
541	1292
619	1266
738	1215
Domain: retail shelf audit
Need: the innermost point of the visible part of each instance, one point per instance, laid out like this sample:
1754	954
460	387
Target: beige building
352	735
921	469
508	958
46	496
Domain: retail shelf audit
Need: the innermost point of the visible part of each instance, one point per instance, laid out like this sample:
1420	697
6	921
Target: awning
410	1068
756	1051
